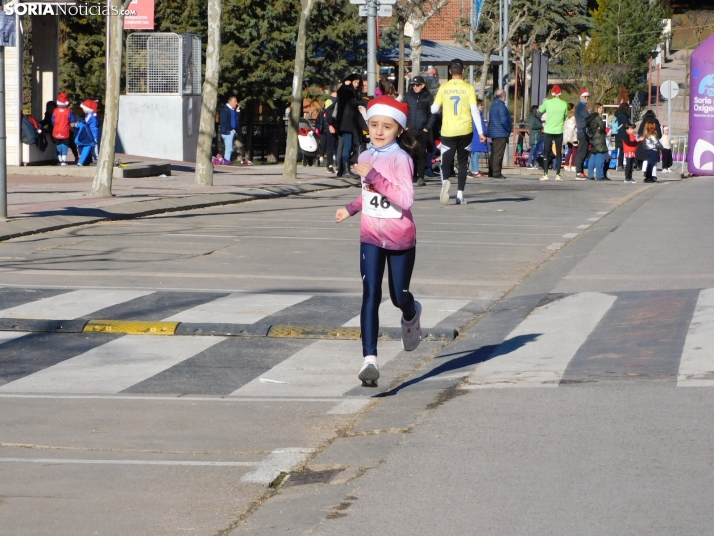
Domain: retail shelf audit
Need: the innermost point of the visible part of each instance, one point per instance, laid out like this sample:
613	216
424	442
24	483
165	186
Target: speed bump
131	327
309	332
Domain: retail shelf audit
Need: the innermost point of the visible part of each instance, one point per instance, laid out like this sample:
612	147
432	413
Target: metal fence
163	63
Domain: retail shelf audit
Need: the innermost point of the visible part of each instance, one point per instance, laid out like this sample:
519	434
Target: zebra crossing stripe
538	351
434	310
238	308
114	366
325	368
696	367
73	304
7	336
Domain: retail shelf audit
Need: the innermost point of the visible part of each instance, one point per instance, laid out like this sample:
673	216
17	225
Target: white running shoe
369	373
544	178
461	201
411	331
444	196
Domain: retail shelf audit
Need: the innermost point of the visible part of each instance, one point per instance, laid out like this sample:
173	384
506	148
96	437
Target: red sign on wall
144	18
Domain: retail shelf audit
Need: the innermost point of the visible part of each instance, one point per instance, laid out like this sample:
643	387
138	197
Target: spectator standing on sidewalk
458	117
230	120
62	121
328	139
596	126
535	126
499	129
348	122
623	118
420	121
477	146
555	110
629	146
581	112
666	150
570	138
648	117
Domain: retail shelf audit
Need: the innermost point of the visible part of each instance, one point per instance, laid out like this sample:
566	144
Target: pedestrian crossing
594	337
243	367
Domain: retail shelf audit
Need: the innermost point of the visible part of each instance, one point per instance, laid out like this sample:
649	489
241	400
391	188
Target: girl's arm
355	206
400	190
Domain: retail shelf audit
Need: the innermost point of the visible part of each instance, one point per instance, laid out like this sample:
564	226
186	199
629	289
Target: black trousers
582	151
667	158
457	146
330	147
548	140
422	139
495	162
629	164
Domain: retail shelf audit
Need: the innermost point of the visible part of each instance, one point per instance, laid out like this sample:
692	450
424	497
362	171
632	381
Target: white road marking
72	304
537	352
584	226
325	368
349	407
7	336
280	460
238	308
114	366
128	462
593	219
434	310
601	213
570	235
696	367
177	398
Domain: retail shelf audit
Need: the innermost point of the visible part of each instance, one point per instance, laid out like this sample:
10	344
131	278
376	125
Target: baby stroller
307	142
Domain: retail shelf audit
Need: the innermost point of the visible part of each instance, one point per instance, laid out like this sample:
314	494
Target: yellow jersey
455	98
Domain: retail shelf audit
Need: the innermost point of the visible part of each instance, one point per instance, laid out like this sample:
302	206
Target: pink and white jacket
391	176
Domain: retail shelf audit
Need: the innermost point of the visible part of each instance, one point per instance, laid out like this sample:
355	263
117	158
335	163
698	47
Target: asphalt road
107	433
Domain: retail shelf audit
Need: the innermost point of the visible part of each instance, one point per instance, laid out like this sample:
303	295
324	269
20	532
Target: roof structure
434	53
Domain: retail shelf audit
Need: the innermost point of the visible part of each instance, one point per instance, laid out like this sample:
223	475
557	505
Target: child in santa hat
387	230
88	136
62	121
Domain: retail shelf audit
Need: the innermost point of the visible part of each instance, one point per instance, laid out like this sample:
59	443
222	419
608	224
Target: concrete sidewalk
45	203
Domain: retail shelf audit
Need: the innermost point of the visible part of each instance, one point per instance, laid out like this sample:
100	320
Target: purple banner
700	159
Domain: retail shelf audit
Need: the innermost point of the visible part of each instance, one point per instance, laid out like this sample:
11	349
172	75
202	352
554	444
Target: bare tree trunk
102	185
291	150
207	125
400	81
416	49
485	71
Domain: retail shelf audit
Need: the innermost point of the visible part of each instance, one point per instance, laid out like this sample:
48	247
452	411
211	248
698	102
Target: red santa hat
556	90
62	99
90	105
584	93
390	107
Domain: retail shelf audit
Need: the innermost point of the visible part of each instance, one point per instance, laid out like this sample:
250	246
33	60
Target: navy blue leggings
371	265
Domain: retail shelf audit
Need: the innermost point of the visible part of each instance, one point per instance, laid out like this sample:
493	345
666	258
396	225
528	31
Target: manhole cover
313	477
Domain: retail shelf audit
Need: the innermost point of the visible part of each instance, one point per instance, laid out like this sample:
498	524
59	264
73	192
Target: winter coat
478	146
91	120
347	118
61	119
536	126
226	112
420	116
622	120
570	130
581	112
499	120
597	127
648	117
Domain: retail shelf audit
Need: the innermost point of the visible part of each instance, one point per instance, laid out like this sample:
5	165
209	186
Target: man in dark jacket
348	122
499	129
581	112
595	124
420	121
623	118
230	121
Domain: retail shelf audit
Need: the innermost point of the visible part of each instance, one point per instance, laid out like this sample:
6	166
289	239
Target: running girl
387	230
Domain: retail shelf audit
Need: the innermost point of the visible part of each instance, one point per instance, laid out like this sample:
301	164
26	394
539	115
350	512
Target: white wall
159	126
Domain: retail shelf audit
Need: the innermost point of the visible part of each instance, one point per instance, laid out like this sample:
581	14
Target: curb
273	331
29	225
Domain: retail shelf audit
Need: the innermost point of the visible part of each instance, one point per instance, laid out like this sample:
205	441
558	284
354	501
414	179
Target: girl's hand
362	169
341	215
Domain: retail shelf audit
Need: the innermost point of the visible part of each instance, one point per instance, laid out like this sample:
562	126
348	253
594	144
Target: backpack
28	130
589	130
614	126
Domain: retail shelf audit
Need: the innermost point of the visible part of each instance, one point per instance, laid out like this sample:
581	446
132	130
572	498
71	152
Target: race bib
376	205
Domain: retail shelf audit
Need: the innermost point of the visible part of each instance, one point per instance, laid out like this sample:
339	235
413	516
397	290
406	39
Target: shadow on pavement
469	359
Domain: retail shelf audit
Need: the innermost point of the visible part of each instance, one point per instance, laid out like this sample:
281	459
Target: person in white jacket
570	138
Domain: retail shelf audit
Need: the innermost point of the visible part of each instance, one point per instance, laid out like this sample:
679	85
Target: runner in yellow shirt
458	98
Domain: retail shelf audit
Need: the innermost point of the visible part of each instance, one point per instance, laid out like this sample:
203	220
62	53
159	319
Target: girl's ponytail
407	142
